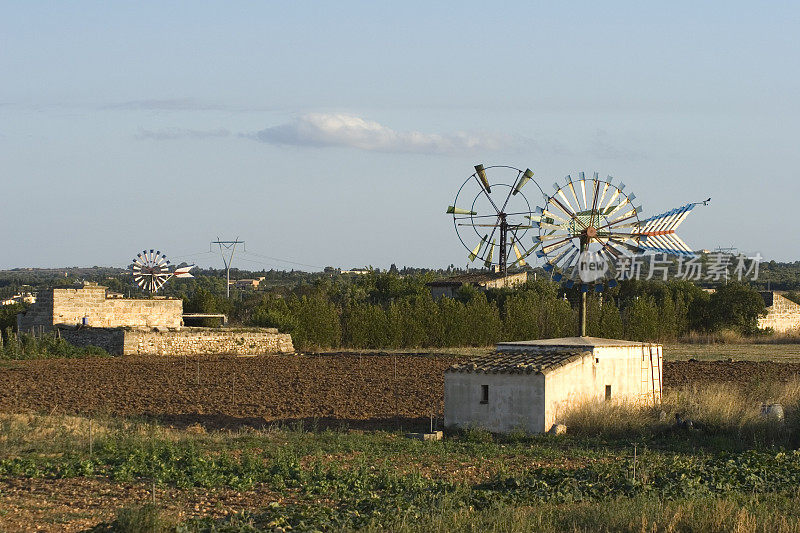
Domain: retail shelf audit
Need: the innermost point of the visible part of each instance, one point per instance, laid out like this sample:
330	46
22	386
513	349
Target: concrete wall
516	401
69	306
783	315
625	368
187	341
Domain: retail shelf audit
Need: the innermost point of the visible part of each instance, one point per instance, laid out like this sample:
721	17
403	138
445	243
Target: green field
619	468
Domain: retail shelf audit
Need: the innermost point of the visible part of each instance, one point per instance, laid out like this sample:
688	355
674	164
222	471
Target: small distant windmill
490	212
151	270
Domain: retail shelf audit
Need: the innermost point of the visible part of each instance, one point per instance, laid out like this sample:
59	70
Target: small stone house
528	385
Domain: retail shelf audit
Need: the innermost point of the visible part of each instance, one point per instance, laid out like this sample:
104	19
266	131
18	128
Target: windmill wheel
150	270
492	216
587	222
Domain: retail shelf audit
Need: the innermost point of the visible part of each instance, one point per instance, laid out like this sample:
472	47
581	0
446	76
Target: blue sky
337	133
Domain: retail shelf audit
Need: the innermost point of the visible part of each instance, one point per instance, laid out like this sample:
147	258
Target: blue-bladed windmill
492	216
590	219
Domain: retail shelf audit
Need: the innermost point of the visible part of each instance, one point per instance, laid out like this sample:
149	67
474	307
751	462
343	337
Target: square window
484	393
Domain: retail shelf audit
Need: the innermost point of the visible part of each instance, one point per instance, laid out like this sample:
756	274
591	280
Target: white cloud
338	129
168	134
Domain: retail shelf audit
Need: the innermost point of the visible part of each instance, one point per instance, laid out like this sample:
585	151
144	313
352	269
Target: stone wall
195	341
186	341
111	340
783	315
70	306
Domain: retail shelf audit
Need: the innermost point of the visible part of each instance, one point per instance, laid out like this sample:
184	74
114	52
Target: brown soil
680	373
79	503
330	389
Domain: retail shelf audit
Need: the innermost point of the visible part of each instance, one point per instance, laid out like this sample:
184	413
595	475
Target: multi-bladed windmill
490	212
151	270
589	227
586	229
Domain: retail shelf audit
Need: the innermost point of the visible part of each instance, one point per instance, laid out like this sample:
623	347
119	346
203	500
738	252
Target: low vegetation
43	346
620	467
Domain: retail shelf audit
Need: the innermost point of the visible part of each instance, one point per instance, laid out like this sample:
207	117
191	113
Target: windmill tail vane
658	232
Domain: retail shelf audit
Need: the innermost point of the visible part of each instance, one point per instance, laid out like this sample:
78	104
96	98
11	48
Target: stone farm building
483	280
528	385
783	315
89	315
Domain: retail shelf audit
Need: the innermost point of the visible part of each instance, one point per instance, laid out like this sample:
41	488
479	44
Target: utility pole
226	250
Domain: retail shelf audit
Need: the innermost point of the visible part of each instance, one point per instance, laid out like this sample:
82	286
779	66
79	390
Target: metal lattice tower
226	250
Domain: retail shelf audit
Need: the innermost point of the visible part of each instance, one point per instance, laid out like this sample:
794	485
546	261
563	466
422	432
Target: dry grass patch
716	407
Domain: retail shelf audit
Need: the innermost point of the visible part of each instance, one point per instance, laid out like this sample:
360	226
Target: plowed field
332	389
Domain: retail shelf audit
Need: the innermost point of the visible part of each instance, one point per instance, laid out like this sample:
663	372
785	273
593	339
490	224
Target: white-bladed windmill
594	222
151	270
491	213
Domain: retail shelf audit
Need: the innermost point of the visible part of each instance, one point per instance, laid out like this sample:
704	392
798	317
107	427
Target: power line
281	260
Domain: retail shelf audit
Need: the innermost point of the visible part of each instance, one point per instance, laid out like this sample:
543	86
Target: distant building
529	385
21	298
87	315
483	280
245	284
89	305
360	271
783	315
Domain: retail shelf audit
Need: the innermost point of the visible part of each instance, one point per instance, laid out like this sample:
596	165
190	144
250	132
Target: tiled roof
565	343
519	362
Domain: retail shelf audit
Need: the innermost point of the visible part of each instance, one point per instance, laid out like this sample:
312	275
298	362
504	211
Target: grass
733	470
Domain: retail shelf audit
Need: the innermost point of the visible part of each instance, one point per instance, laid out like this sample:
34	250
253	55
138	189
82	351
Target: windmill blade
571	186
551	215
582	181
606	185
611	199
481	172
526	177
556	245
668	244
630	247
453	210
571	210
488	262
476	251
545	225
526	254
560	205
595	192
668	220
551	236
568	259
520	258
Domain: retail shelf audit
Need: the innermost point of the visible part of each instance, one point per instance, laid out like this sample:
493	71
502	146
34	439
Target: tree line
383	310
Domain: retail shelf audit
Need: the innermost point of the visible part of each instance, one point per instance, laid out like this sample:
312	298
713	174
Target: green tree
736	306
